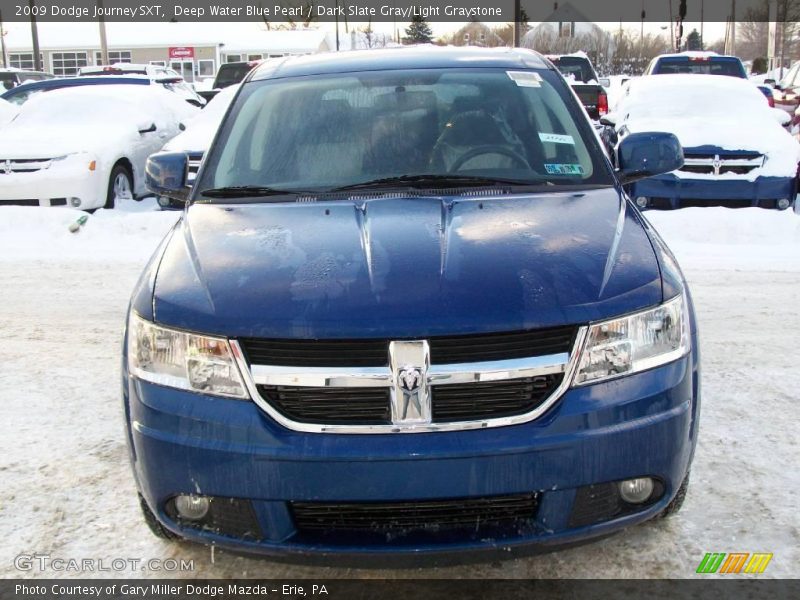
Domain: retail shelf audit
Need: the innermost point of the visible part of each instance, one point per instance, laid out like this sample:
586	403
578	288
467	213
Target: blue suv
409	310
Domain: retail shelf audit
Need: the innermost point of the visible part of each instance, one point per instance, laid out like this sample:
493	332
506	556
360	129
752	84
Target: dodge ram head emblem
410	380
410	399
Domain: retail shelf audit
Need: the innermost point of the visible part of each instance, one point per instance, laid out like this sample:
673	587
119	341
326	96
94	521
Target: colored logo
734	562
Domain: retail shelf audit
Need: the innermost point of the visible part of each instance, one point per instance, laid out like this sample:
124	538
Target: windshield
325	132
231	74
574	67
714	66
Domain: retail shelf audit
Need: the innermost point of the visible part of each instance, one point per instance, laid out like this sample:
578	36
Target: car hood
760	134
405	267
26	142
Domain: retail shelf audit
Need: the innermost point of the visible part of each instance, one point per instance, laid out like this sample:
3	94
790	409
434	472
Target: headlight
182	360
635	343
72	159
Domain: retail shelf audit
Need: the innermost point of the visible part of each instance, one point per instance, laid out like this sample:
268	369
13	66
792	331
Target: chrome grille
23	165
720	164
410	392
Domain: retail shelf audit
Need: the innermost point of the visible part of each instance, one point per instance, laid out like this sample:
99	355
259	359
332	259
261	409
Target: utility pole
37	59
3	41
337	25
517	17
103	41
702	10
733	27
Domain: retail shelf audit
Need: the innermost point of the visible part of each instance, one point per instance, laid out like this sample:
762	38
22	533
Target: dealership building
196	50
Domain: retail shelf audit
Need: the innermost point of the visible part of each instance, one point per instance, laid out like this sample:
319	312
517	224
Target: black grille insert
375	352
493	399
334	406
410	516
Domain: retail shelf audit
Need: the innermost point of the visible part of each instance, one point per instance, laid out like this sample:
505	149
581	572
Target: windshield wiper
433	180
249	191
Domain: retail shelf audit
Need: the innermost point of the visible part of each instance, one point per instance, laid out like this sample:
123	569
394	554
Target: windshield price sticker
556	138
525	78
563	169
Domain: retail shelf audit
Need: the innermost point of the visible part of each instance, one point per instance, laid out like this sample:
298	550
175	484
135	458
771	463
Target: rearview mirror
166	174
642	155
144	128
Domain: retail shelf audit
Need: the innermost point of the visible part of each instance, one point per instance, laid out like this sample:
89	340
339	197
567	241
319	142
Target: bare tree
752	32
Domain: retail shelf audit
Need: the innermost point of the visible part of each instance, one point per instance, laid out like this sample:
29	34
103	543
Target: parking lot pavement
68	491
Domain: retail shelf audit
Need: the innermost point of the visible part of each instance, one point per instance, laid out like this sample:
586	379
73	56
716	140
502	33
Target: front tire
157	528
120	185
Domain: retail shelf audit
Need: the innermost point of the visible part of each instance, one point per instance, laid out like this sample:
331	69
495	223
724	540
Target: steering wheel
489	149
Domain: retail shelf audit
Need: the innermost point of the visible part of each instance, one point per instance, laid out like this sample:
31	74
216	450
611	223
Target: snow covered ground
67	489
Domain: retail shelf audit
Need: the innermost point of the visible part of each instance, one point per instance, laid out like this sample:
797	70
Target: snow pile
711	110
127	234
748	239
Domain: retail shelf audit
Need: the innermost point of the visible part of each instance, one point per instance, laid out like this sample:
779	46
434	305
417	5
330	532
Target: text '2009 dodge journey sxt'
409	310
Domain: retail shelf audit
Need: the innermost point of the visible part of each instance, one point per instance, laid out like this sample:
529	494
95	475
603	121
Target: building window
482	37
66	64
23	60
276	55
233	58
158	63
566	29
466	38
255	56
114	56
205	67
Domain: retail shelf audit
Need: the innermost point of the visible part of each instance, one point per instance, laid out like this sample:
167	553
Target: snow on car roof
103	103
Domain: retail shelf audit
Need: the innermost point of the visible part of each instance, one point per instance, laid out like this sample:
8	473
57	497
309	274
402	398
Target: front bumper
669	191
54	187
641	425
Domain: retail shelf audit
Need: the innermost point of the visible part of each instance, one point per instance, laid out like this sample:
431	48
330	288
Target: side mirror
642	155
605	82
144	128
781	116
166	174
609	120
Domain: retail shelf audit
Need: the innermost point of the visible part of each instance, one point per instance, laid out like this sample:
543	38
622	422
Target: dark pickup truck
229	74
580	74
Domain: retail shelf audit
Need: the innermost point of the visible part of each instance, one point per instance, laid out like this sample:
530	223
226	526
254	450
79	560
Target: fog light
75	201
783	203
192	508
642	201
636	491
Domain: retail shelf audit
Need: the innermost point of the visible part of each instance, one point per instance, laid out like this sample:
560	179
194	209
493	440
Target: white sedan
86	147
